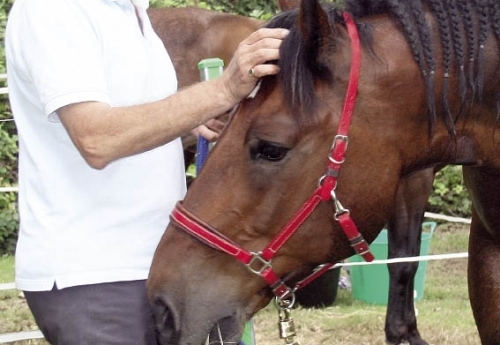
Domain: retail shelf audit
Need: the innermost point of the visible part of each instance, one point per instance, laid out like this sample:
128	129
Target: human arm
104	134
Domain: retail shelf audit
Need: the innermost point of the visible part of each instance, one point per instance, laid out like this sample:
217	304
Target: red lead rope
260	263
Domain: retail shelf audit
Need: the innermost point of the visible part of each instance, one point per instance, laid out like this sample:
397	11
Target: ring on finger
251	72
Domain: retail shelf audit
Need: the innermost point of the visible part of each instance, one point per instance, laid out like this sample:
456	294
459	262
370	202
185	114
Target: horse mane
464	26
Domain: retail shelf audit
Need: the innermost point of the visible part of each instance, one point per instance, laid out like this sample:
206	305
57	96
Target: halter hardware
339	139
286	323
257	258
339	209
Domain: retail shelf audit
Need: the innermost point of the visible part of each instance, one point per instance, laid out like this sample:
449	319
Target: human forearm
103	134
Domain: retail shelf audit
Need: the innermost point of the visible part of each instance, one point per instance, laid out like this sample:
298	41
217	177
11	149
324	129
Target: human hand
211	130
249	62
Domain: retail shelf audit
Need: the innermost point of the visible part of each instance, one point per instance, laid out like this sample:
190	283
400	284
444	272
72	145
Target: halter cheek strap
255	262
260	263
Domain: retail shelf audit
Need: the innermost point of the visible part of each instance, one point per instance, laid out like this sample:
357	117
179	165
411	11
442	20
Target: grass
6	269
444	315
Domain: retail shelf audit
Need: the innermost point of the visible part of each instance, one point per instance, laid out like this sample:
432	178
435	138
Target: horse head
225	245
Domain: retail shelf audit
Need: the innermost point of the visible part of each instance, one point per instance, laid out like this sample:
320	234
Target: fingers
207	133
210	130
263	46
266	33
262	70
252	73
215	125
250	61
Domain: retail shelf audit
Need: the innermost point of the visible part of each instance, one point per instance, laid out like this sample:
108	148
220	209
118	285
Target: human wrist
230	95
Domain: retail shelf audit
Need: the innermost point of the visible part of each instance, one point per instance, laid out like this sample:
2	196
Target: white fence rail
19	336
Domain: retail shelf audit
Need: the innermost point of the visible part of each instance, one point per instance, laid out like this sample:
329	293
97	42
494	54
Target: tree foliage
449	196
251	8
9	219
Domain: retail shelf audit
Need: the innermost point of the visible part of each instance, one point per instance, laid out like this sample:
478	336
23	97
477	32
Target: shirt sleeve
58	51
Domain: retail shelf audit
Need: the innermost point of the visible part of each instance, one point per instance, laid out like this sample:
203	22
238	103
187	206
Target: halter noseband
260	263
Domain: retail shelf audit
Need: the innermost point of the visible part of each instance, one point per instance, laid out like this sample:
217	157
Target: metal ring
250	71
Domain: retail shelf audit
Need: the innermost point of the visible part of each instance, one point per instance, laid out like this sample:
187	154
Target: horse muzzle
175	327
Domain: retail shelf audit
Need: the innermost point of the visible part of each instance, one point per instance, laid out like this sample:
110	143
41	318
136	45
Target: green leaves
450	197
9	218
250	8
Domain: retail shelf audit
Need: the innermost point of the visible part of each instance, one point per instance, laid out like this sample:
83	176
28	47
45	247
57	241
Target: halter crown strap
339	148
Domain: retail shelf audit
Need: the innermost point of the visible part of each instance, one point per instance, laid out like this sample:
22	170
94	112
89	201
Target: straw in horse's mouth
219	339
219	333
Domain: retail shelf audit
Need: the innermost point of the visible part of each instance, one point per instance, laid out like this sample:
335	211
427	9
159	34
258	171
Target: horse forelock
299	70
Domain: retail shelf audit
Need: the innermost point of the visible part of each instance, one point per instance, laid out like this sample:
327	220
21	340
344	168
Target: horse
206	33
404	239
156	275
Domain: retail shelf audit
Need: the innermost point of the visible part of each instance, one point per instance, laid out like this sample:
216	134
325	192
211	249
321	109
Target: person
99	119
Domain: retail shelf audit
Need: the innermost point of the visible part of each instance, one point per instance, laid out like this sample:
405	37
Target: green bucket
248	337
370	283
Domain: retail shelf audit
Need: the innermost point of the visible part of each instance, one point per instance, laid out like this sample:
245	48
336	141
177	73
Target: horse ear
317	32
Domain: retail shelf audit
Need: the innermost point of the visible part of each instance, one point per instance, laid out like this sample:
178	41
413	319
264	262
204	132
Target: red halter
260	263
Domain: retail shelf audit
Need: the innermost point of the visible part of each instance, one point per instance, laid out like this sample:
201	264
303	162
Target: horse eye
268	151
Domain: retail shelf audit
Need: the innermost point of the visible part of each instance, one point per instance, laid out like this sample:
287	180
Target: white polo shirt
80	225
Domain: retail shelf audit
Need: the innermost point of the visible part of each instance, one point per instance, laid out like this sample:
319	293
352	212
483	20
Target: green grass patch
6	269
444	314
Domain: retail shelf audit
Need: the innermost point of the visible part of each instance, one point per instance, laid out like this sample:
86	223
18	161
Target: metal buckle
344	138
320	180
285	303
256	257
287	293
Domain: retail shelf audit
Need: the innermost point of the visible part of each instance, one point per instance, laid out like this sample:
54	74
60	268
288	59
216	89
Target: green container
370	283
210	68
248	337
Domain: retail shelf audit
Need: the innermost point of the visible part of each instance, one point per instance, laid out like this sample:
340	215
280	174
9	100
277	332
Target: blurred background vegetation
449	198
252	8
9	218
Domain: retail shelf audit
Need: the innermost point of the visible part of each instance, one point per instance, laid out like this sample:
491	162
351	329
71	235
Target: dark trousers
100	314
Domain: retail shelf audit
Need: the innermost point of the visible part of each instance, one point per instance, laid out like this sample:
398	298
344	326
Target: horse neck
393	87
475	120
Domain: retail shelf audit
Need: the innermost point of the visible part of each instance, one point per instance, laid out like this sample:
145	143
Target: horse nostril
165	322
